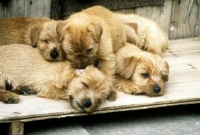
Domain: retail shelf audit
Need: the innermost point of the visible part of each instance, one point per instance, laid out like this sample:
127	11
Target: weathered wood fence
179	18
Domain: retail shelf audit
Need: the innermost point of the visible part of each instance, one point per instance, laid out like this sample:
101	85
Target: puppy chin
80	64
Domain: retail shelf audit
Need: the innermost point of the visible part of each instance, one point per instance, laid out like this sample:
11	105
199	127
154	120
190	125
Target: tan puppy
91	37
150	36
89	90
26	67
140	72
42	33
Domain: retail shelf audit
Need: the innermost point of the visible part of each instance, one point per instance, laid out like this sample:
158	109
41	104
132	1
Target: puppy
140	72
150	36
26	67
92	36
89	90
42	33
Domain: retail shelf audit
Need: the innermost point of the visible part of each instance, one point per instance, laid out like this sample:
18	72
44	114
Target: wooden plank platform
183	88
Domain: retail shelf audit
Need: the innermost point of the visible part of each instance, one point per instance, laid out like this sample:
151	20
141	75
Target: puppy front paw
24	90
138	93
10	98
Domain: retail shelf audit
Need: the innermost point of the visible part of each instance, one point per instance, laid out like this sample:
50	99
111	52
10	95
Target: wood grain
36	8
184	19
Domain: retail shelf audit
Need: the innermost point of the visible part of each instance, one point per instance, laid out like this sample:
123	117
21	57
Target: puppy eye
89	50
46	41
145	75
86	85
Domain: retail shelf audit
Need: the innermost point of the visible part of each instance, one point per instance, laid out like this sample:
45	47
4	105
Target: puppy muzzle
156	89
54	53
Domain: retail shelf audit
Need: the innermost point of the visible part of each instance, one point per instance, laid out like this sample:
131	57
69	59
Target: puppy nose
87	103
54	53
156	89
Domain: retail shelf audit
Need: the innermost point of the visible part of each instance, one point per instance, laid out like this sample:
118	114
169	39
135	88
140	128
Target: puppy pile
84	59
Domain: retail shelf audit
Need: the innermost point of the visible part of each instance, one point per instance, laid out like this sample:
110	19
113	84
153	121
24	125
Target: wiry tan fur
42	33
89	90
92	37
8	97
22	65
140	72
150	36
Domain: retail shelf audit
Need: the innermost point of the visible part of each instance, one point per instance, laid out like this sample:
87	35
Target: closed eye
89	50
86	85
46	41
145	75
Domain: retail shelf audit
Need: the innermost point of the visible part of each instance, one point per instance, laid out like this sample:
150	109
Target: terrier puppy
150	36
89	90
91	37
42	33
26	67
140	72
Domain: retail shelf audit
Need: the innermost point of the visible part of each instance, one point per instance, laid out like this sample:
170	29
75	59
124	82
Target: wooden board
183	88
31	8
184	19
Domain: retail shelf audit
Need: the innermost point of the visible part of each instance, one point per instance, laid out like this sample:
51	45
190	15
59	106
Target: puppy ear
134	26
129	66
166	72
96	31
34	34
61	29
112	96
131	33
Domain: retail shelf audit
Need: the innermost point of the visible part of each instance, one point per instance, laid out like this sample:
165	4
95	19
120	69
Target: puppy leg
8	97
107	67
53	92
127	86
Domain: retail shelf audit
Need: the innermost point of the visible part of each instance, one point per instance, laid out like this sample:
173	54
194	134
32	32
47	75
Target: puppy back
14	29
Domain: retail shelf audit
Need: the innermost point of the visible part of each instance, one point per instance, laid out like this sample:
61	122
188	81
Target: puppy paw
10	98
138	93
113	96
24	90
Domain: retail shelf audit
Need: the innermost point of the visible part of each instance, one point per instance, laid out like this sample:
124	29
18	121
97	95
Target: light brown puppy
91	37
42	33
22	65
89	90
150	36
140	72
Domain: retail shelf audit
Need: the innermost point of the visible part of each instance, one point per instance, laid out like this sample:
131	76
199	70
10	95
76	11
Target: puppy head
47	39
89	90
148	71
81	42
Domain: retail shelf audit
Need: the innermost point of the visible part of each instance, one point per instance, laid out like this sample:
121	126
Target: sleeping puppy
89	90
150	36
92	37
25	71
42	33
140	72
